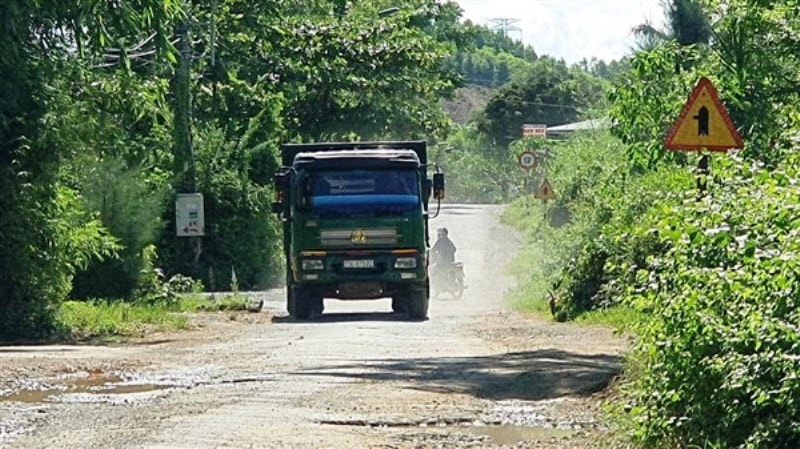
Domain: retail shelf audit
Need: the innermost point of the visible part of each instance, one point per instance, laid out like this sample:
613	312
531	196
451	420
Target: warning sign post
704	123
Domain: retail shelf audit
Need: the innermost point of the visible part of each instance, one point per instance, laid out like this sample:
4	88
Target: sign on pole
528	160
189	218
545	191
704	123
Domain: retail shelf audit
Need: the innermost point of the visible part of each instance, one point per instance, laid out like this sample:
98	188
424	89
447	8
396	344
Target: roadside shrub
580	170
589	262
131	210
49	242
242	234
155	289
620	243
720	354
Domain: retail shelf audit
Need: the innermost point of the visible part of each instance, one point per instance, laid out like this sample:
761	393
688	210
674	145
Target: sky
569	29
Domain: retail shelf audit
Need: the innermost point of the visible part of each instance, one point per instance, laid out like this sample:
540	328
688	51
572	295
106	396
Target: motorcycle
448	278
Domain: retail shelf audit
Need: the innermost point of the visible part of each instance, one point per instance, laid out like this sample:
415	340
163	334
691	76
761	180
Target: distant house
564	131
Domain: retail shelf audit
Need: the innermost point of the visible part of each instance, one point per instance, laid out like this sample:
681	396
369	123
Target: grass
619	317
215	303
101	319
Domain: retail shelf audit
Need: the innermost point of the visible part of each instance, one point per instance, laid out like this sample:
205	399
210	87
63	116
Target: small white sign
189	218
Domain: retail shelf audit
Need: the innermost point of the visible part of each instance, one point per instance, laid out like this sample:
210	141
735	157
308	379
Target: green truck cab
355	223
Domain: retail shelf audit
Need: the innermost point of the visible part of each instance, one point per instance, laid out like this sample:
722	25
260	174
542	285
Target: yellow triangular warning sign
545	191
704	123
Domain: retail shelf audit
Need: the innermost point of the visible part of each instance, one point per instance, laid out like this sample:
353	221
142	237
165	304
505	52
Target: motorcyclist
443	252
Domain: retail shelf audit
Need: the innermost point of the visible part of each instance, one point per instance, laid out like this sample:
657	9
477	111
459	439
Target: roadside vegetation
706	282
114	320
159	306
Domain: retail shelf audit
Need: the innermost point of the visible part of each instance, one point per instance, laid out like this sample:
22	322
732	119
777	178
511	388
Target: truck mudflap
360	290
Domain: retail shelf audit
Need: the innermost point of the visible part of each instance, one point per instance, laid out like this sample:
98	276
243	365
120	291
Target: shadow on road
346	317
532	375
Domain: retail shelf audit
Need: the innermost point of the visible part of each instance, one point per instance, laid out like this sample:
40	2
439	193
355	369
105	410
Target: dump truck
355	223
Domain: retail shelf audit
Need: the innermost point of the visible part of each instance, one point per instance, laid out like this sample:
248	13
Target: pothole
465	431
94	387
511	435
97	386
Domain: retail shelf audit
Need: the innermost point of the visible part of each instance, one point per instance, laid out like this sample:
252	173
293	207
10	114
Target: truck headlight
405	262
313	264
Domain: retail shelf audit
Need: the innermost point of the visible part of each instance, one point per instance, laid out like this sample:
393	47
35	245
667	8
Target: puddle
97	386
511	435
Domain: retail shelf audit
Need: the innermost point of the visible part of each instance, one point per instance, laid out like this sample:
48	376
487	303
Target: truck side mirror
438	186
277	205
282	183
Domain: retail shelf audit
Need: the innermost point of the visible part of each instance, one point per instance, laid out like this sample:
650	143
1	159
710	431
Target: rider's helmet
441	232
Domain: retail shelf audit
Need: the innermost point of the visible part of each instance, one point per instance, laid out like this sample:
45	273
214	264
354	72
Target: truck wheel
418	303
290	300
398	304
289	293
305	303
318	305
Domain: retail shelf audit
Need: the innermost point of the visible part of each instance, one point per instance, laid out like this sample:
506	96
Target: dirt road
473	375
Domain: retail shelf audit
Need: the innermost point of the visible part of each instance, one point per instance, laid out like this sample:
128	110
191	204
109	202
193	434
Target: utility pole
189	205
184	151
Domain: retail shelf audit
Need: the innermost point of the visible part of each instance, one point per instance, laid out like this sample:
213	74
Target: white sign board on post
189	218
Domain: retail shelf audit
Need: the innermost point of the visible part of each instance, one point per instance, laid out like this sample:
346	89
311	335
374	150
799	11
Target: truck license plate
359	263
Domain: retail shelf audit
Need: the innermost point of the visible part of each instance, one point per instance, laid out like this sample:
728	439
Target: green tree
501	74
365	75
646	101
551	94
688	23
268	71
38	251
116	126
755	45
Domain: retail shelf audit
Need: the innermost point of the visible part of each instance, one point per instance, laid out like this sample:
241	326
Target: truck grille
358	237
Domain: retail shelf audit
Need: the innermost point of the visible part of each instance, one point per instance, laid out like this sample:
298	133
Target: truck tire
417	303
289	293
318	305
290	300
303	303
399	304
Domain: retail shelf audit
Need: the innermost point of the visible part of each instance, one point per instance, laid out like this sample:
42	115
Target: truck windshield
362	192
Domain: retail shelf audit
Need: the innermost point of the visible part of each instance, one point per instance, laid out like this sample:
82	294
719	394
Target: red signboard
534	130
